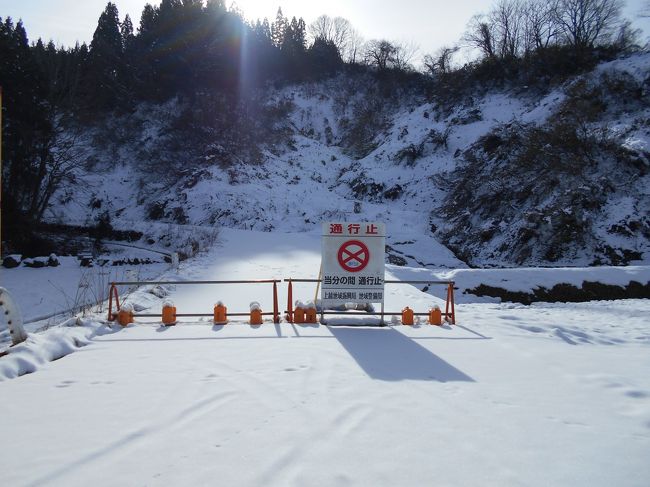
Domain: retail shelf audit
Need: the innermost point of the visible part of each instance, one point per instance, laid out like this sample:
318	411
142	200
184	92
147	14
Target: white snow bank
526	279
40	349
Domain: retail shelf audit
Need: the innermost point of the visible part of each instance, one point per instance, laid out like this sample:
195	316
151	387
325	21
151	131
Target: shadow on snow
387	354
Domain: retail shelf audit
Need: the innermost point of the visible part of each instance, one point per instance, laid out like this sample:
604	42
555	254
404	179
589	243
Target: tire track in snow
290	464
130	441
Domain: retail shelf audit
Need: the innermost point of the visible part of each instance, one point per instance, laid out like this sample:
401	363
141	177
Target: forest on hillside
215	61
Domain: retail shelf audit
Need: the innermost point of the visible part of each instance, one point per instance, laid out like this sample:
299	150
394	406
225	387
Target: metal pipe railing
450	310
154	283
114	294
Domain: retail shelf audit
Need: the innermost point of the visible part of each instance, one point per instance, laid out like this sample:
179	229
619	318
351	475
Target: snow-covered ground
313	176
548	394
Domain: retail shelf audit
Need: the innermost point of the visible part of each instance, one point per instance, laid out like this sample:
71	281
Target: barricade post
311	314
256	314
299	313
290	302
125	315
111	292
407	316
168	314
451	317
435	316
276	313
220	314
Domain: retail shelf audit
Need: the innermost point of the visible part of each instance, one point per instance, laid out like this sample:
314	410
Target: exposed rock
567	293
12	261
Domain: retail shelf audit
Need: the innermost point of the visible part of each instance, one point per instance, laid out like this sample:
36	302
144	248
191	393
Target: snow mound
41	348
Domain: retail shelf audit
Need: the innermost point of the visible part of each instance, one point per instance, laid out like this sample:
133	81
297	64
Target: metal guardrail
113	294
449	314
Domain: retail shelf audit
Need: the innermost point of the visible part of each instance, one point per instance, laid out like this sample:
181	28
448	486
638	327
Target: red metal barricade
449	314
113	295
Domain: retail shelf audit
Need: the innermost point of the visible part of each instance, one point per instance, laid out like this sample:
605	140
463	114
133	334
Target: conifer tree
279	28
126	31
105	63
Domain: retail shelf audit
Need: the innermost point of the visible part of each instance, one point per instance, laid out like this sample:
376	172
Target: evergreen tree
293	49
266	29
25	124
279	28
126	31
147	20
105	63
324	57
217	7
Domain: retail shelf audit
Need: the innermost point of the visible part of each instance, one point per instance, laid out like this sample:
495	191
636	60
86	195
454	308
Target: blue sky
427	24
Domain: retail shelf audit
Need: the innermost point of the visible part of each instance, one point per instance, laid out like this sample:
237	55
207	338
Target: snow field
548	394
301	405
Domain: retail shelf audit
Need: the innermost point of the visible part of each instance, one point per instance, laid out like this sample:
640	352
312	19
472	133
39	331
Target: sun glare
257	9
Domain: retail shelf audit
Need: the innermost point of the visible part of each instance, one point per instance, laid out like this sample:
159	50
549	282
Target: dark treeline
214	61
189	49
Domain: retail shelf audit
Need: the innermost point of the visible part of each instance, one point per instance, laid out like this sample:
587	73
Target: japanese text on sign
353	263
353	229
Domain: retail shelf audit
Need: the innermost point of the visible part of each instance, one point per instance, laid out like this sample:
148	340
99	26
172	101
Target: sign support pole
320	275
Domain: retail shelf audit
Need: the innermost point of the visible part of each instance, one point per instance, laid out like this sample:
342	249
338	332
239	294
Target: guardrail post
112	291
290	302
453	308
276	314
451	316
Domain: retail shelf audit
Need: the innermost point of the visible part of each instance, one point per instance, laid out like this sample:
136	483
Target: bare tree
480	35
380	53
440	62
508	22
540	26
586	23
337	30
60	157
405	52
355	47
385	55
627	37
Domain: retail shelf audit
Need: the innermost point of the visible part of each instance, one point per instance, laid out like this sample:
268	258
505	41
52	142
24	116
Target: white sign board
353	263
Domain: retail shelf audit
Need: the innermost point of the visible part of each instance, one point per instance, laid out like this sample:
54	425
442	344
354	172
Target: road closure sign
353	263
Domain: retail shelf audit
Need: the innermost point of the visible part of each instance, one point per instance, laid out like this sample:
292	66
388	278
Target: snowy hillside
342	149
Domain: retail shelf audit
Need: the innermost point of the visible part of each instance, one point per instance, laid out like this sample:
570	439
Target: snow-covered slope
352	152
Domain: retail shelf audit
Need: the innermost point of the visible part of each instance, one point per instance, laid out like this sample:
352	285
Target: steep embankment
510	177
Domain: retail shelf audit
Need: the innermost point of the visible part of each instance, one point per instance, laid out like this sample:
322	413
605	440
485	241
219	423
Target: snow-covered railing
114	296
449	314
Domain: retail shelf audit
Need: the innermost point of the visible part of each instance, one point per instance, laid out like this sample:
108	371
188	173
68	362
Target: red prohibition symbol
353	256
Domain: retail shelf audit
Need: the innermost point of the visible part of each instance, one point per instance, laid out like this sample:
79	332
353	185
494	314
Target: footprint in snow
637	394
510	317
